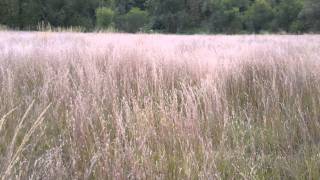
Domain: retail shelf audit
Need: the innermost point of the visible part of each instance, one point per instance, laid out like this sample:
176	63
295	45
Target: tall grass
118	106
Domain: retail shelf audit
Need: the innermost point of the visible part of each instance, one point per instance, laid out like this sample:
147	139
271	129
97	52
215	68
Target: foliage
259	16
133	21
168	15
172	16
311	14
287	13
104	17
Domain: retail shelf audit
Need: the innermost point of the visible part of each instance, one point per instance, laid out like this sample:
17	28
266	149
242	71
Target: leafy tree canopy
171	16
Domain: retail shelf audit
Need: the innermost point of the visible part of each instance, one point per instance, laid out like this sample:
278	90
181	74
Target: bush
104	17
310	15
259	16
133	21
296	27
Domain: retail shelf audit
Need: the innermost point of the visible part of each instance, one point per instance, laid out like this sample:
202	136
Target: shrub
259	16
104	17
133	21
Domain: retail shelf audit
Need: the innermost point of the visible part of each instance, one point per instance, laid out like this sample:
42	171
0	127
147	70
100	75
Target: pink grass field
121	106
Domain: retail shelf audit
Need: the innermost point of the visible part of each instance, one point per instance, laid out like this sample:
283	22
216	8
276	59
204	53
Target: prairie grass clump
118	106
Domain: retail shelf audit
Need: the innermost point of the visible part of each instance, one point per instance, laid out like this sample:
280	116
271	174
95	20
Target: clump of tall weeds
117	106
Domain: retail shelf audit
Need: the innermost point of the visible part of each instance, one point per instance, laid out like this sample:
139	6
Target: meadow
121	106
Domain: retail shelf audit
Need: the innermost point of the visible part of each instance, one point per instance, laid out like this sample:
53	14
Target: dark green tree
193	10
168	15
259	16
5	11
104	17
123	6
310	14
286	14
172	16
133	21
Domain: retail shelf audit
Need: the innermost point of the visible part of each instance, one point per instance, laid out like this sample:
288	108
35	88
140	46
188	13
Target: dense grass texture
120	106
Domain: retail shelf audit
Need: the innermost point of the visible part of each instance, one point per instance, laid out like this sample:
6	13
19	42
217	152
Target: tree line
167	16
